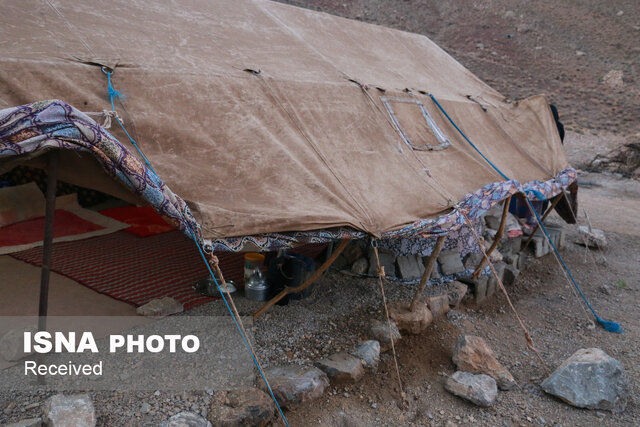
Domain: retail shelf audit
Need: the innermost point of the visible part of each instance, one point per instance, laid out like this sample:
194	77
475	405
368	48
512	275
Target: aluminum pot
256	288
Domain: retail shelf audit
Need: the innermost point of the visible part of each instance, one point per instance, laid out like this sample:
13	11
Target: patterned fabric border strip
46	125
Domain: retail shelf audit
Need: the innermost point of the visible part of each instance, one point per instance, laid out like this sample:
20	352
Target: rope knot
381	272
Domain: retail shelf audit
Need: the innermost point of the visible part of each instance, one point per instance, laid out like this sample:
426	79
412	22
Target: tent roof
307	143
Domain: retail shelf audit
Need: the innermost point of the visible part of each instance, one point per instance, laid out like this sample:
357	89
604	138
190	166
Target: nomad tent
264	126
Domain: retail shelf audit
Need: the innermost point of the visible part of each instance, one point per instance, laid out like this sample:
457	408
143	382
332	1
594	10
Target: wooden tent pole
47	246
497	238
546	214
316	274
431	262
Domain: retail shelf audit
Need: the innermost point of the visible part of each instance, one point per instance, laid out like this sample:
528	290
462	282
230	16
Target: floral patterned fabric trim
48	125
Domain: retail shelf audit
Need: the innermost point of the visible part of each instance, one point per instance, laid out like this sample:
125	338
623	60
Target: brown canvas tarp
299	146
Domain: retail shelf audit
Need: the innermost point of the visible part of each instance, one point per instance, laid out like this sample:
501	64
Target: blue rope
465	137
115	94
606	324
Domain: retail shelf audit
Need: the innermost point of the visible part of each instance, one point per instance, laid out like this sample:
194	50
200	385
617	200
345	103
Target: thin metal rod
497	237
546	214
431	262
306	284
47	246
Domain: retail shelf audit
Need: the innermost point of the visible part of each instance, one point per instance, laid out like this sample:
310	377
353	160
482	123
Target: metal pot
256	288
208	287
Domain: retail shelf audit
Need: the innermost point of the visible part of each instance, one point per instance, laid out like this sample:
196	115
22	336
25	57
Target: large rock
360	266
450	262
414	321
381	332
590	379
251	407
369	353
509	275
294	385
456	293
12	344
342	368
472	354
387	261
410	267
591	237
160	307
473	259
437	305
69	411
186	419
479	389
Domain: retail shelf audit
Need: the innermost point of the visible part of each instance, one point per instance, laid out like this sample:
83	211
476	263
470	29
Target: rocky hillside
584	54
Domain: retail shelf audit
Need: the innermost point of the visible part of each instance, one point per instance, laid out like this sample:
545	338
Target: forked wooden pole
431	262
546	214
497	238
316	274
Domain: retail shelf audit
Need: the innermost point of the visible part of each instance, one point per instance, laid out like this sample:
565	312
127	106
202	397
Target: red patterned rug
138	269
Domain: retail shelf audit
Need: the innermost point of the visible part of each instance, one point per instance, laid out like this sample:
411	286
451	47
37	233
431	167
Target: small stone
580	53
450	262
360	266
590	379
478	389
613	79
73	410
374	405
294	385
12	344
369	353
187	419
31	422
414	321
160	307
342	368
145	408
241	407
438	305
380	331
472	354
456	293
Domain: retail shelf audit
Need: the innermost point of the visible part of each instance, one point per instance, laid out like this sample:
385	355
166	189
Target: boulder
437	305
69	411
369	353
479	389
360	266
472	354
509	275
12	344
380	331
342	368
456	293
294	385
160	307
414	321
450	262
186	419
590	379
410	267
241	408
473	259
387	260
592	238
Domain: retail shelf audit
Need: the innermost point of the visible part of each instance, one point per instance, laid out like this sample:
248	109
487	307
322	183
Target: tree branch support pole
546	214
497	238
47	246
431	262
316	274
